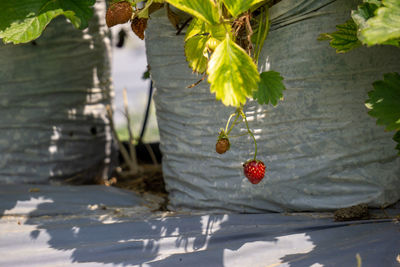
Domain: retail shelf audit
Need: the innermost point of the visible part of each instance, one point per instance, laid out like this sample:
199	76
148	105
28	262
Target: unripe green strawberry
254	170
118	13
212	43
222	145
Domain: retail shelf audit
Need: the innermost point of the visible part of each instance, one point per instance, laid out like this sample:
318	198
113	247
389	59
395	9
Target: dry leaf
34	190
154	7
138	26
173	18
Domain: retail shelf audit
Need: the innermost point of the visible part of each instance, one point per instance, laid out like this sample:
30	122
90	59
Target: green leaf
270	88
198	26
219	31
344	39
24	20
232	74
196	52
396	138
149	7
384	26
199	37
394	42
237	7
364	12
144	12
195	27
205	10
375	2
384	101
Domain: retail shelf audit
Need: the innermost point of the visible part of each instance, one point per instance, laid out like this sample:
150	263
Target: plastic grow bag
53	94
321	148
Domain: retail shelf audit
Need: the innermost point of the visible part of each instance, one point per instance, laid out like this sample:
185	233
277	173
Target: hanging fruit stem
238	114
250	133
229	120
233	124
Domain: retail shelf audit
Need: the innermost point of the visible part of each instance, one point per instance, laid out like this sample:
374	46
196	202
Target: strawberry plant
219	44
223	42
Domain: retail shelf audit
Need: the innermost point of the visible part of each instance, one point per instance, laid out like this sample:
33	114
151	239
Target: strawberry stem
229	120
251	134
233	124
238	113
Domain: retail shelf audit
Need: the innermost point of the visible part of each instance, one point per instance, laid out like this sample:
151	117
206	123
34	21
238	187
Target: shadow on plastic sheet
198	240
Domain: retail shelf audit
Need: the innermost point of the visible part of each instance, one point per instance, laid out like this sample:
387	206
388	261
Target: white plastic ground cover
53	95
321	148
104	226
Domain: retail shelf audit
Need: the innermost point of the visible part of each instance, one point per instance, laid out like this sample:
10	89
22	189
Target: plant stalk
123	150
229	120
132	151
251	134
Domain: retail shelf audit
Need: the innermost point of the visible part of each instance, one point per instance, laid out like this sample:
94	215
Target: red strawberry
254	170
118	13
222	145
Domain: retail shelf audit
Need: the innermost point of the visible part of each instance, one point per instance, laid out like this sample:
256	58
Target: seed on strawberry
254	170
138	26
222	145
118	13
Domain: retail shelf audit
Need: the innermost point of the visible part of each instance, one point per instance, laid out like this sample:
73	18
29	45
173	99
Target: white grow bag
321	148
53	95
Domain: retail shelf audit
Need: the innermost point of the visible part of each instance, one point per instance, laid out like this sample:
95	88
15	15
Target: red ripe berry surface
254	170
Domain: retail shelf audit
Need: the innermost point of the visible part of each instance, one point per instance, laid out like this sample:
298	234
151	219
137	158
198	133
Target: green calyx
222	135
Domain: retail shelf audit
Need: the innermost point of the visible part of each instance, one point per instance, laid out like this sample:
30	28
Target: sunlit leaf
384	101
196	52
270	88
232	74
24	20
344	39
219	31
237	7
198	26
199	37
205	10
375	2
364	12
384	26
195	27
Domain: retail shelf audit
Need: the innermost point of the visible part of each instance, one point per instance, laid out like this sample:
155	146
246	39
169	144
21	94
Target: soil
148	181
357	212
